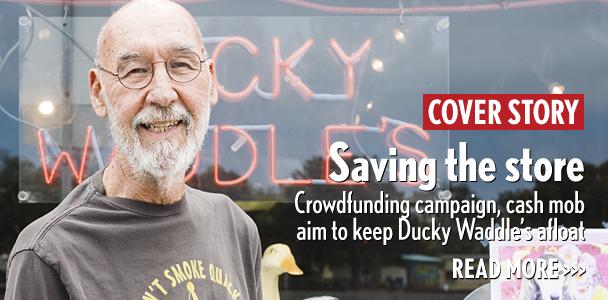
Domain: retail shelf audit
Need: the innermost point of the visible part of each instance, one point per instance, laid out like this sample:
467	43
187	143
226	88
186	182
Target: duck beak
289	264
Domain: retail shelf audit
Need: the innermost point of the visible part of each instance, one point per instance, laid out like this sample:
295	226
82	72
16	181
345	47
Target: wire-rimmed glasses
137	73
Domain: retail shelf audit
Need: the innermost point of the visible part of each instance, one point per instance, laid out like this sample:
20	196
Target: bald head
141	17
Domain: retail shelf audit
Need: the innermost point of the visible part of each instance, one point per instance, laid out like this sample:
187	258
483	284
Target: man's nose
161	87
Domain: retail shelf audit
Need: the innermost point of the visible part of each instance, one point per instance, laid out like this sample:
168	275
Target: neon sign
288	93
285	67
242	132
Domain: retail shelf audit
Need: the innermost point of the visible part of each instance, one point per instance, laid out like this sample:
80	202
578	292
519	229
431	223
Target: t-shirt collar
138	206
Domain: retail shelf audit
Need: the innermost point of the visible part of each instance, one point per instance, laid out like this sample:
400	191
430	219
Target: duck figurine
276	260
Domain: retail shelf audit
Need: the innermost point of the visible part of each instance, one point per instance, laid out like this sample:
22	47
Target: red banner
503	112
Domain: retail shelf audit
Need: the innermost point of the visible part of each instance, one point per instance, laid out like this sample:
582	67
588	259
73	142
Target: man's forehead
125	46
144	25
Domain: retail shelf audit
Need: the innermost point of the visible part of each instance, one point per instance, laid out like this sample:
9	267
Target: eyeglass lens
138	72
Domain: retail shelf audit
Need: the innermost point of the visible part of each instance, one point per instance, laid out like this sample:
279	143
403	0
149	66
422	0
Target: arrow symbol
583	271
566	270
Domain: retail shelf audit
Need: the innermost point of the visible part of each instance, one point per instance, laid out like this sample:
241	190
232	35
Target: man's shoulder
43	228
221	203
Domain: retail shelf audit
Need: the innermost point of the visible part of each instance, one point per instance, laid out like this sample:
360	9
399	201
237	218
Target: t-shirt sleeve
258	266
256	259
29	277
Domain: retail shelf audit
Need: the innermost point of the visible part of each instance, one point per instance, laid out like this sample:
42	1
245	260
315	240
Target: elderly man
135	230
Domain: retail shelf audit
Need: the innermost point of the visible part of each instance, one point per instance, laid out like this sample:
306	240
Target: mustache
154	114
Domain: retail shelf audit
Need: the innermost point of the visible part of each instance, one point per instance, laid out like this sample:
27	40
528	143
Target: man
135	230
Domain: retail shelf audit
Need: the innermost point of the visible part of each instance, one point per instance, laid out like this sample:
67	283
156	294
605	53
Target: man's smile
159	127
161	130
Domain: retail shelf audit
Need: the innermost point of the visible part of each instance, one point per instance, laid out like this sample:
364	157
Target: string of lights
92	2
326	8
439	9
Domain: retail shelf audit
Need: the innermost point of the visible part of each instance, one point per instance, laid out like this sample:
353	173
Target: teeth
162	126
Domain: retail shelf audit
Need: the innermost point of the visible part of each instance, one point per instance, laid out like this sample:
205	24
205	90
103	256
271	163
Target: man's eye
180	65
138	71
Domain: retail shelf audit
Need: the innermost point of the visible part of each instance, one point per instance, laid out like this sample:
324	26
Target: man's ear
214	83
98	103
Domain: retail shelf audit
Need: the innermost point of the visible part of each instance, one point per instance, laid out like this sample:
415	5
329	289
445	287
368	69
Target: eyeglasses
137	73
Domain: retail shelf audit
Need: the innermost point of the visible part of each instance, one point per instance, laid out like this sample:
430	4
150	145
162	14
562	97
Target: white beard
167	159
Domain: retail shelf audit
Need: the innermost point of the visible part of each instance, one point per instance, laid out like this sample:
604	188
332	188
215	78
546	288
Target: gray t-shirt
96	247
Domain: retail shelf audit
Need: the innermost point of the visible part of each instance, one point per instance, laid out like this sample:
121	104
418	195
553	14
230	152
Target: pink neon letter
409	150
273	177
285	66
253	150
349	62
253	50
79	174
